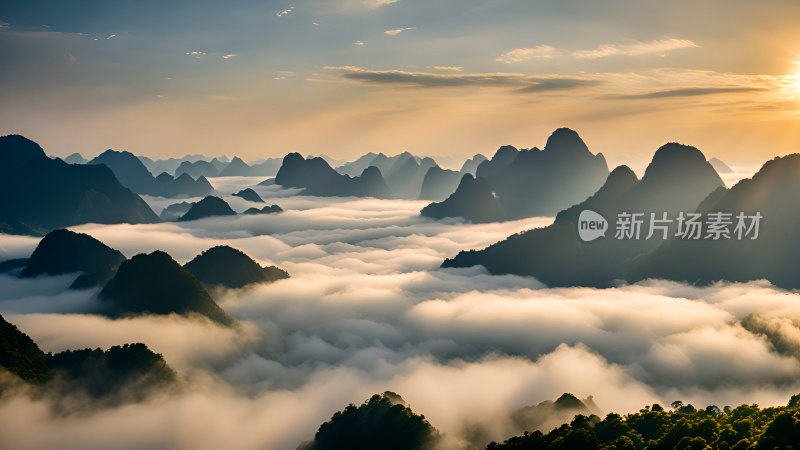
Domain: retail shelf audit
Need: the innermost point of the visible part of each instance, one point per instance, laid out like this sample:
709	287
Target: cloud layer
368	310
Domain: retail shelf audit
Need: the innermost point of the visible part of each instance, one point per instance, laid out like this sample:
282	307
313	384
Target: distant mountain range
41	194
170	165
175	211
678	180
133	174
265	210
541	182
318	178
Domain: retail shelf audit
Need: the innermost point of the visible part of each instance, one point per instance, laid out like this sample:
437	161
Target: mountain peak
154	283
231	268
673	159
64	251
565	140
472	200
504	151
16	150
208	207
622	174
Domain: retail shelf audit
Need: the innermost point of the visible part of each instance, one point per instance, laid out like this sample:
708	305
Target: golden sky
441	78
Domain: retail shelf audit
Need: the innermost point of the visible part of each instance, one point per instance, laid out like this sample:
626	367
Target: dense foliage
130	367
683	427
126	372
382	422
20	355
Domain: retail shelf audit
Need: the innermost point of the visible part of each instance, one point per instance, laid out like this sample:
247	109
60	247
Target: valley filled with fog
368	309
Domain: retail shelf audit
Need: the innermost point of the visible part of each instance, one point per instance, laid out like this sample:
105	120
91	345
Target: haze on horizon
443	78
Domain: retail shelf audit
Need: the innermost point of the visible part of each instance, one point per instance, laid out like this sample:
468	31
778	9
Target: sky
260	79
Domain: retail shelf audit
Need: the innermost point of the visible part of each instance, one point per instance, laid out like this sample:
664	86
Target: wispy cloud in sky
285	11
378	3
196	54
523	83
690	92
449	68
397	31
229	56
358	43
658	47
525	54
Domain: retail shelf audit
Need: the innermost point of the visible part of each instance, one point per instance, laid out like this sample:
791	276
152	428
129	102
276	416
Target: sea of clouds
368	310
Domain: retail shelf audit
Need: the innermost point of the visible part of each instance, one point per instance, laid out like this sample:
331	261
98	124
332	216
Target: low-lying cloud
367	310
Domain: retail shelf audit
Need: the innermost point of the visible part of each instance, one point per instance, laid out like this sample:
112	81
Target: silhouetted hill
129	371
318	178
10	265
208	207
183	186
406	175
549	414
382	422
156	284
121	374
503	157
40	194
774	192
64	251
354	168
439	183
542	182
231	268
75	158
249	195
239	168
133	174
266	168
472	200
20	355
470	166
128	169
236	168
677	180
265	210
720	166
175	211
197	169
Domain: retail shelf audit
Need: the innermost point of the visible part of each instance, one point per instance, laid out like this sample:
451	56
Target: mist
368	309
